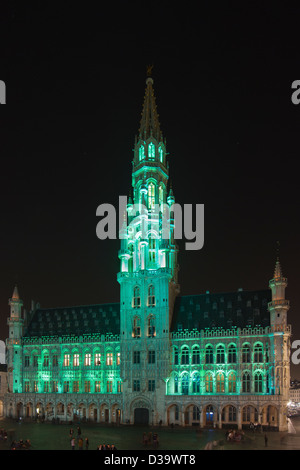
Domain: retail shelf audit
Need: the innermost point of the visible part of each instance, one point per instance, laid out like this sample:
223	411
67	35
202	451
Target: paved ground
48	436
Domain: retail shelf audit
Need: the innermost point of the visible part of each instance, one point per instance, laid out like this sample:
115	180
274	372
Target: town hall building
156	357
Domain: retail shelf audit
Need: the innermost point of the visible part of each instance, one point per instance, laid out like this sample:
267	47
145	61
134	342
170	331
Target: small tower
280	332
279	306
13	343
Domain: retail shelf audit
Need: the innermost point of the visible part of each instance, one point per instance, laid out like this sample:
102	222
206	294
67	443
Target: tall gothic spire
149	125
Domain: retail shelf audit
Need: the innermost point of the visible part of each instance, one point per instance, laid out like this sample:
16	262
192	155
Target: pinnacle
149	125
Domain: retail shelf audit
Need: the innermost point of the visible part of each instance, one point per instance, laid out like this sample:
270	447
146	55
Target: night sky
75	80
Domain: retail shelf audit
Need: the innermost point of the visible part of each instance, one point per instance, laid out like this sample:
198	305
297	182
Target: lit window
208	383
97	359
152	248
109	359
87	359
151	196
76	386
97	386
196	383
118	358
151	151
141	153
161	154
220	383
76	360
231	383
66	362
160	195
87	386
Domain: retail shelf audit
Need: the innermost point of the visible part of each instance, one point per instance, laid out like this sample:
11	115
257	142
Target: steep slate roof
86	319
224	310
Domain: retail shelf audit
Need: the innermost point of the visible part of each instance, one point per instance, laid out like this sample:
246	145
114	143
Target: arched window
136	297
175	355
196	355
141	153
185	384
152	250
151	326
209	383
220	355
176	384
246	382
209	357
258	382
151	296
196	383
246	356
161	154
185	355
258	353
231	413
220	383
151	151
232	354
151	196
136	327
231	383
160	195
196	413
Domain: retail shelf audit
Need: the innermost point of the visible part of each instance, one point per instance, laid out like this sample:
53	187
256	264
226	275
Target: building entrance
141	416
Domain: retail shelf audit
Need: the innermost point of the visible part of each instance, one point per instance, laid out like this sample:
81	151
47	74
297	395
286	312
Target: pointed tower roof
15	295
149	125
278	270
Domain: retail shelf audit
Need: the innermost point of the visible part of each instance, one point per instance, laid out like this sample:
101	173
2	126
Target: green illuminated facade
155	357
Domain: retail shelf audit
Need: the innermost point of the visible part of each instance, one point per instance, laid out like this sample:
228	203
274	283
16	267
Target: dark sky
75	79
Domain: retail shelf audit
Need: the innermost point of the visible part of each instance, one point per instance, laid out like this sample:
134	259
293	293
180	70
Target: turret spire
149	125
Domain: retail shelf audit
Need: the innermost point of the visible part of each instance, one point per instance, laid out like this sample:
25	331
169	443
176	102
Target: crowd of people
150	438
20	444
106	447
233	435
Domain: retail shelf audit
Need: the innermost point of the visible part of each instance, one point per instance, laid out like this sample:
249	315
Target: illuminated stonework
155	357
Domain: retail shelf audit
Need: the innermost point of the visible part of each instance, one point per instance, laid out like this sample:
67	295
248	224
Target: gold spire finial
149	70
